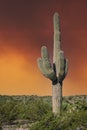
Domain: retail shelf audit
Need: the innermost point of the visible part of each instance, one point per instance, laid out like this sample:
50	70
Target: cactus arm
61	69
45	65
66	68
40	65
61	63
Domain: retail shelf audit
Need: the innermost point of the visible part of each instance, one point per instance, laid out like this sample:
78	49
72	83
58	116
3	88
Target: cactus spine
56	72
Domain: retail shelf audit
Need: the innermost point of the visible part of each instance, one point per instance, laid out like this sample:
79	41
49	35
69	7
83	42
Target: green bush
38	110
8	111
30	108
68	121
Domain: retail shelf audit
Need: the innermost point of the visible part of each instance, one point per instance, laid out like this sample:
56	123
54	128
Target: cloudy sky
26	25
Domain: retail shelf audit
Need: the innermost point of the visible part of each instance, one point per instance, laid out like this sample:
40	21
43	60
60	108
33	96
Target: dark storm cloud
29	23
20	19
23	23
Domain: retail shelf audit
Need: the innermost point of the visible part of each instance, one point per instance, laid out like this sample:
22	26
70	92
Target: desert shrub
8	111
30	108
69	121
36	110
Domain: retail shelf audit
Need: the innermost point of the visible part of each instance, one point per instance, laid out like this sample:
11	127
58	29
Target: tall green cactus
56	72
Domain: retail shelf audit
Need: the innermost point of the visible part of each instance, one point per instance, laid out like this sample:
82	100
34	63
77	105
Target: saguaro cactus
56	72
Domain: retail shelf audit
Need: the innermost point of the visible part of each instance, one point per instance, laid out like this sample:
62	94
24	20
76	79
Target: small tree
58	71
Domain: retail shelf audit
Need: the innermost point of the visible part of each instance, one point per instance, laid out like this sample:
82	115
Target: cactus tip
56	14
43	47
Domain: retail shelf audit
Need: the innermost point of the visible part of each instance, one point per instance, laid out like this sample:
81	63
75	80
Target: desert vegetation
36	112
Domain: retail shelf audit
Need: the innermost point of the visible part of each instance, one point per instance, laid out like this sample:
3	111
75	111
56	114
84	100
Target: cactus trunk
56	88
57	98
56	72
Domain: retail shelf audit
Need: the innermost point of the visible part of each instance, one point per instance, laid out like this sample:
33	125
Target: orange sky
24	27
